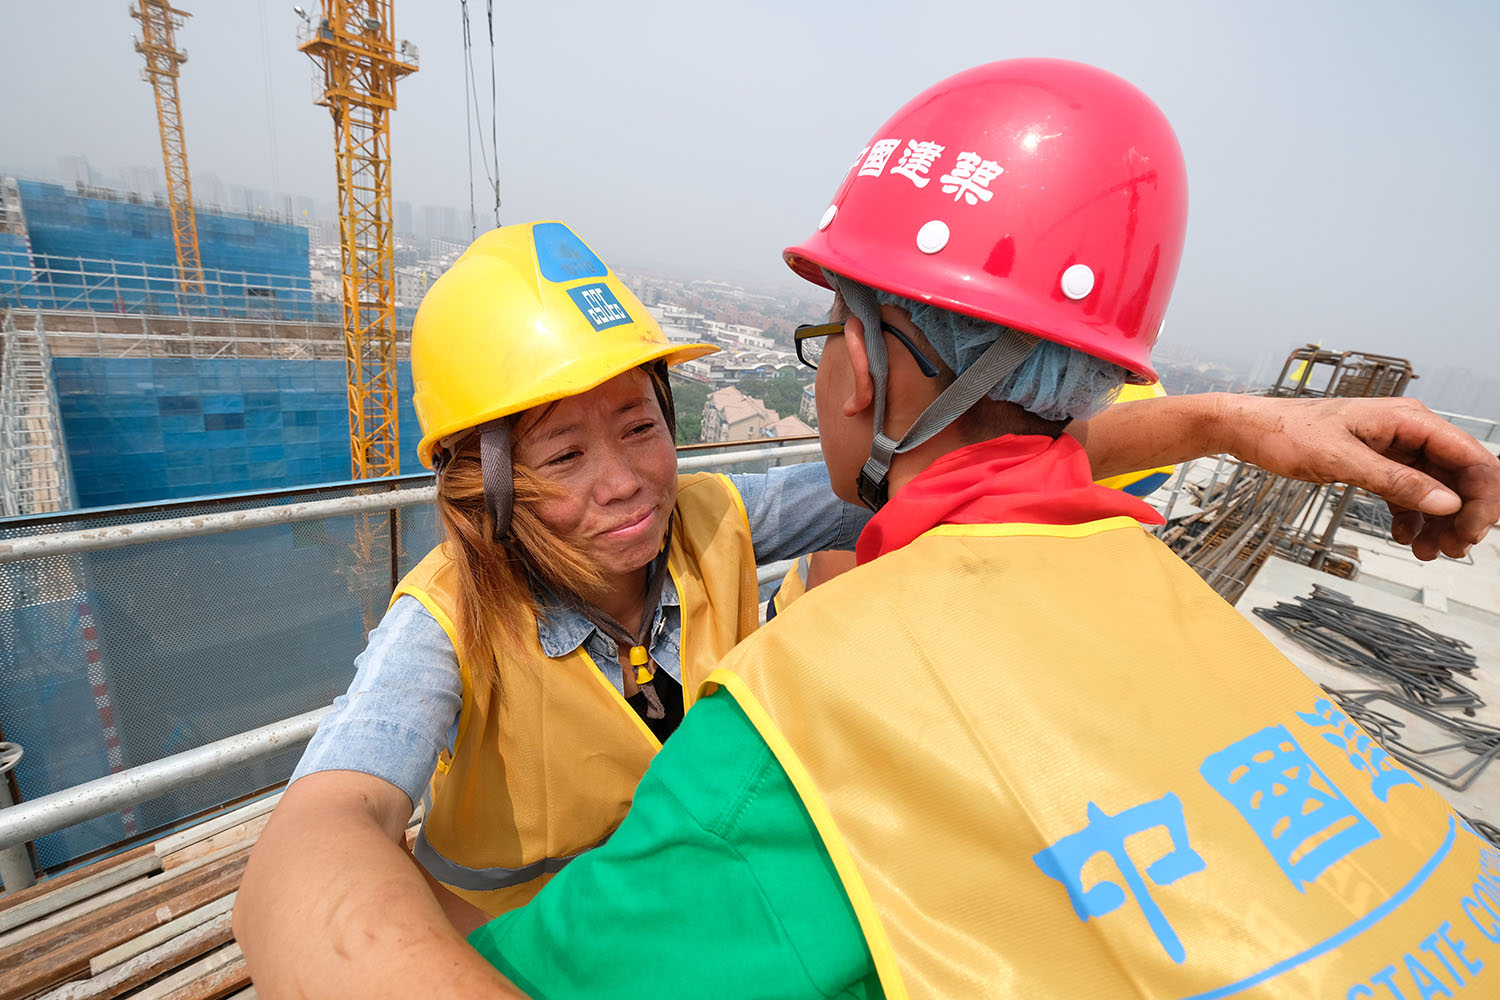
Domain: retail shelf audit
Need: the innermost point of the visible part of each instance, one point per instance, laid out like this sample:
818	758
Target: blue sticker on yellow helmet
599	305
562	256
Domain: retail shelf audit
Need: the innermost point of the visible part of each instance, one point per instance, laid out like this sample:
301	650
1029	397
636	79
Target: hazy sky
1342	155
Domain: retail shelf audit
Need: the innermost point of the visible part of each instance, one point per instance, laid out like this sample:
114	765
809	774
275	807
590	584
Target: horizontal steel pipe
63	809
699	463
121	535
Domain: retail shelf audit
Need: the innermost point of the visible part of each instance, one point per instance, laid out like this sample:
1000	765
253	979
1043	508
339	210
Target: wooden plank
149	965
135	946
248	993
187	982
64	896
41	963
47	885
62	917
220	982
240	833
202	831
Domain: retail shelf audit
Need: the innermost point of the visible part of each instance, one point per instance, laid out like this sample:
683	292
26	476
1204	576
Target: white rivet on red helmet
827	218
933	236
1078	281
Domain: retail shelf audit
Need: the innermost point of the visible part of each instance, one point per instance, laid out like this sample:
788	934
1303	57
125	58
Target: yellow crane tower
158	43
354	43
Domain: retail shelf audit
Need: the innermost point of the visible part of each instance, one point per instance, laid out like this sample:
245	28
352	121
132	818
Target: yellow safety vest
793	585
546	767
1048	761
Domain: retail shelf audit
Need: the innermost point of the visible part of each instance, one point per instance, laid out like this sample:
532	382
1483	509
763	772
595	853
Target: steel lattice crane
158	43
354	44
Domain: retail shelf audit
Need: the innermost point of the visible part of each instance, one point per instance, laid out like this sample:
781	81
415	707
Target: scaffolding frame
34	473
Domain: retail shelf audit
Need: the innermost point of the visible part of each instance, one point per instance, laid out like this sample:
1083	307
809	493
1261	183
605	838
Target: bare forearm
332	906
1144	434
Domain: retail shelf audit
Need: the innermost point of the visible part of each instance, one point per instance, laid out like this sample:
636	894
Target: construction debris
1389	648
1476	738
1253	515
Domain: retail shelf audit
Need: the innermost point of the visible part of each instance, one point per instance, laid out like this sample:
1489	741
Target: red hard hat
1041	194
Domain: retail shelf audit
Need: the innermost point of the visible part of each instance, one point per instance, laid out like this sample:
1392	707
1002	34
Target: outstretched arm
1441	484
331	905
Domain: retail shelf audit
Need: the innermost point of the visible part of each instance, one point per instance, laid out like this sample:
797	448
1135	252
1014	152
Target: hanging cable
489	12
473	123
468	128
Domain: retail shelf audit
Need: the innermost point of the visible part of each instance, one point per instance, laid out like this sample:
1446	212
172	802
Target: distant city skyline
1340	154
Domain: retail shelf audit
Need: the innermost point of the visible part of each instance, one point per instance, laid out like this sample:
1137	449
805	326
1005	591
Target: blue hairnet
1054	382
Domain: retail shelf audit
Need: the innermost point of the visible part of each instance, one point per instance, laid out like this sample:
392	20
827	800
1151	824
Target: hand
1442	486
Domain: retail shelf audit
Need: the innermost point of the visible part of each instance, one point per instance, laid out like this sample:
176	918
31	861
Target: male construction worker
1021	750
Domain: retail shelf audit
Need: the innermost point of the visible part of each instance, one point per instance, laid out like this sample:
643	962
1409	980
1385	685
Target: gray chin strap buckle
873	492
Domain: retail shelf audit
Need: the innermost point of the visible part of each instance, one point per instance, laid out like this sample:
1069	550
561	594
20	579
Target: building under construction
160	391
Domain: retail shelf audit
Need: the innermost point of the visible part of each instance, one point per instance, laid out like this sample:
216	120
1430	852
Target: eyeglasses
809	339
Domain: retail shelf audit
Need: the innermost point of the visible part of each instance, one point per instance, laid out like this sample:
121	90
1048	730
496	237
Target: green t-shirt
716	885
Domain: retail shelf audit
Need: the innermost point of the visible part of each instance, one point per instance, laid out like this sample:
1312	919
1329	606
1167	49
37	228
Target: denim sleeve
793	511
400	709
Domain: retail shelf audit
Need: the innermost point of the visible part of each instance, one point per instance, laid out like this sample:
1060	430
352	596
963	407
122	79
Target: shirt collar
561	629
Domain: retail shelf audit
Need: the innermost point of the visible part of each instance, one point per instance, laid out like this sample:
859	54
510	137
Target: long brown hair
496	609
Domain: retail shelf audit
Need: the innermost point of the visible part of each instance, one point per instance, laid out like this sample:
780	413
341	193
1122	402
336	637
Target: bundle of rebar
1369	514
1250	517
1481	741
1256	515
1421	662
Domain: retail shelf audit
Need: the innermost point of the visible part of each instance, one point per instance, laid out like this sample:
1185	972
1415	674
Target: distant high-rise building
76	170
452	227
141	180
209	190
403	219
429	223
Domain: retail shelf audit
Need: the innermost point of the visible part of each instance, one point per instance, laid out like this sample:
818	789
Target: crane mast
158	43
354	44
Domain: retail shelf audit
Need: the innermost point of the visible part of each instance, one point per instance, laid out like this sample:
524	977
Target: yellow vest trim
624	706
881	951
739	501
1046	530
445	760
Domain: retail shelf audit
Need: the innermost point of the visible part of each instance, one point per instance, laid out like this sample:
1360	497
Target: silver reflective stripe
484	879
804	567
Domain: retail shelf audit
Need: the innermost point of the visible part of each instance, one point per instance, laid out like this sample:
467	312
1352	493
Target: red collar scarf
1013	479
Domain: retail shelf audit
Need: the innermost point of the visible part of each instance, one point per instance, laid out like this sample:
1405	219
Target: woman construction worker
530	666
1021	750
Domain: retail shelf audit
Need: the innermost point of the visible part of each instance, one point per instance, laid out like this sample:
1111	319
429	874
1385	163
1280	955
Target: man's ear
862	387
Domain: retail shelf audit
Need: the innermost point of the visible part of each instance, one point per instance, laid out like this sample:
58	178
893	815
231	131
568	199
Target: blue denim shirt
402	707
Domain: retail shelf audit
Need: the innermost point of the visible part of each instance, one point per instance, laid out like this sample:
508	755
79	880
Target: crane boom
158	43
354	43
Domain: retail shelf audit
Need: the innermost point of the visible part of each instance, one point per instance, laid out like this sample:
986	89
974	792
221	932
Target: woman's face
613	456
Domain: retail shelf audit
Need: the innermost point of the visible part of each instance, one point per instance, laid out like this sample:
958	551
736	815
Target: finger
1413	430
1404	486
1405	525
1480	488
1428	542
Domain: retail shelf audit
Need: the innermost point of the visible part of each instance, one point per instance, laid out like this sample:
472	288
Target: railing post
15	861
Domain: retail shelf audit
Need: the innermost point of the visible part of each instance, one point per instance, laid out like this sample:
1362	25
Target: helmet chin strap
994	365
495	468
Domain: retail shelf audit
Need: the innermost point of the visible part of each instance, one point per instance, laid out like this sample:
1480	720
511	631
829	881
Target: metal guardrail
1490	428
29	820
120	535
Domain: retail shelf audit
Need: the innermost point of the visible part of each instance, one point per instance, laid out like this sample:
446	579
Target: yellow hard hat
1147	481
527	315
